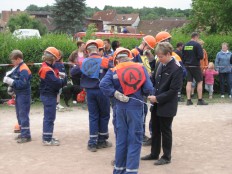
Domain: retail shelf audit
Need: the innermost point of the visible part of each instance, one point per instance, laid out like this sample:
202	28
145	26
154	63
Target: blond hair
201	42
164	47
211	65
16	54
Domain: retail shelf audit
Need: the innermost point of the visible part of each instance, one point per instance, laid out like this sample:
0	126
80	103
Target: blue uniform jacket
22	76
96	68
50	83
110	83
60	66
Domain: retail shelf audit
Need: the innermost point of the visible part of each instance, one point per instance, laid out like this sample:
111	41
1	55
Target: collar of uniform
168	62
20	64
49	64
94	55
140	51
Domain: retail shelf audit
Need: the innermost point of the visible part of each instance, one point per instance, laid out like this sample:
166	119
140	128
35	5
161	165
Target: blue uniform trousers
129	125
49	103
99	115
23	104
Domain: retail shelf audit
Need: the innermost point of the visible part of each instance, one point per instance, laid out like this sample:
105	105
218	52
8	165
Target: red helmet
121	52
161	36
100	43
150	41
91	42
55	52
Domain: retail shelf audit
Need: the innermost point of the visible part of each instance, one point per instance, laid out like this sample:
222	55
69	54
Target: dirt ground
202	144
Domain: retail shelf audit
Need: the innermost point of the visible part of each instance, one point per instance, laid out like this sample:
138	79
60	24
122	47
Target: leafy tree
90	30
33	7
212	16
69	15
24	21
151	13
90	11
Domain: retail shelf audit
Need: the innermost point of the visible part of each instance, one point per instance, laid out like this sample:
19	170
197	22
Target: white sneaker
74	102
229	96
53	142
59	106
222	96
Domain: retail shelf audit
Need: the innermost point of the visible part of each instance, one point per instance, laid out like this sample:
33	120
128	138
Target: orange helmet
161	36
100	43
91	42
150	41
55	52
121	52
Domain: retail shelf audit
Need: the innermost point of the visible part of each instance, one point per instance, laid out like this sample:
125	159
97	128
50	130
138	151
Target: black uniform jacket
168	81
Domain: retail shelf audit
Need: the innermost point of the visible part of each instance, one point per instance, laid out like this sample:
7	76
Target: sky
22	4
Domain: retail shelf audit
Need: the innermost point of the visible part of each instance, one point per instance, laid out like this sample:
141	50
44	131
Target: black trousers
161	130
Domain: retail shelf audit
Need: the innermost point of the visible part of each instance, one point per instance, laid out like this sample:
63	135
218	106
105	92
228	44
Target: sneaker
189	102
74	102
53	142
59	106
210	97
18	137
229	96
104	144
148	142
92	148
201	102
222	96
23	140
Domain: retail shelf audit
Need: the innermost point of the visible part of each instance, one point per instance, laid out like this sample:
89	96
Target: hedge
33	49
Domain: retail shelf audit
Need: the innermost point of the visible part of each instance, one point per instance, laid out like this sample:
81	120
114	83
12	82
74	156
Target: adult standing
223	66
127	83
168	81
192	54
93	70
203	63
108	52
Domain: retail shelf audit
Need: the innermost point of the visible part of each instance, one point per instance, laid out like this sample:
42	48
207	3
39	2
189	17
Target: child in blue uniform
19	82
50	84
93	70
128	82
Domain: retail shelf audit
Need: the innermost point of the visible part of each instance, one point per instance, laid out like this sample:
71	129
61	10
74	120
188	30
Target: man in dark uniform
192	54
168	81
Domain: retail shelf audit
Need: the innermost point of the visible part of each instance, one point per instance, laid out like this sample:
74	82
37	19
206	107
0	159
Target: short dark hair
194	34
115	44
107	40
179	44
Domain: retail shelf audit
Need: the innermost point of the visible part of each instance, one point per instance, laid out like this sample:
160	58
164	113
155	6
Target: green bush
33	49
